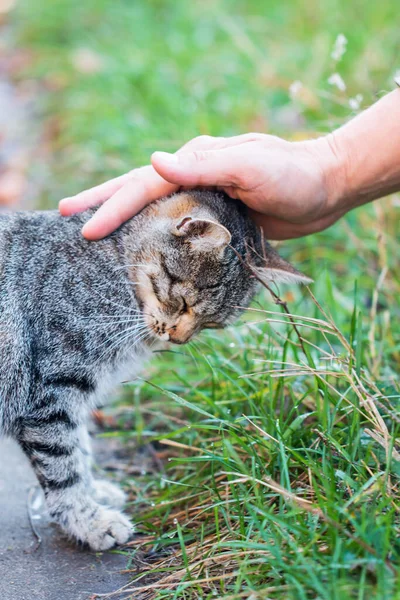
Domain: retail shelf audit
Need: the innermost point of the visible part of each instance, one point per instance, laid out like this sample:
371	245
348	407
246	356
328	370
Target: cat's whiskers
134	311
119	337
133	283
121	326
136	327
136	315
141	338
141	333
110	349
121	317
129	266
112	301
117	320
110	329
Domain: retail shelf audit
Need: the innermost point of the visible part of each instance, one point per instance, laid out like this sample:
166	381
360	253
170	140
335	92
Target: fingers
220	167
144	186
91	197
100	193
205	161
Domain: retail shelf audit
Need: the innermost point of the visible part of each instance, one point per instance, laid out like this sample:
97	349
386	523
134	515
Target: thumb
199	167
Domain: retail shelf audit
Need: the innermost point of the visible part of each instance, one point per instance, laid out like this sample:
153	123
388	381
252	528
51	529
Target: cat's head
192	274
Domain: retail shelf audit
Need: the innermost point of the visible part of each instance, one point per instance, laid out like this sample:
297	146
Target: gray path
56	570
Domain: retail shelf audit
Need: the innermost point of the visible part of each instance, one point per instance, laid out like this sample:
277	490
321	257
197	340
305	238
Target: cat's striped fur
78	317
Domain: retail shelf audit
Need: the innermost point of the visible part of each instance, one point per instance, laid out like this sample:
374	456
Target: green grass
280	464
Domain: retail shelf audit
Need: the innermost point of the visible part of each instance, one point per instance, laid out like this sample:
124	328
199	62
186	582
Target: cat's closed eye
185	307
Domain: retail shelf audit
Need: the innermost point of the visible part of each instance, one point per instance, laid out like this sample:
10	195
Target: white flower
87	61
336	79
7	5
339	47
355	102
295	88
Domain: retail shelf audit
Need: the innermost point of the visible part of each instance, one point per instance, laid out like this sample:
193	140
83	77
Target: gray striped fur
74	322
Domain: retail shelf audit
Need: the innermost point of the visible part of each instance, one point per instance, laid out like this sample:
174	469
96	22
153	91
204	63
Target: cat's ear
203	235
278	270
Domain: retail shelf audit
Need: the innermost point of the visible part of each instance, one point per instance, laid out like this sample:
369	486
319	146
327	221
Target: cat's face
184	289
190	278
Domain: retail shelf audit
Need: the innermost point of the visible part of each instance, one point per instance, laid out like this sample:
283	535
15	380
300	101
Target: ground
55	568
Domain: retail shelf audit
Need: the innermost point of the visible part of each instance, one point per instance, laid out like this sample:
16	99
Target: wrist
333	162
360	160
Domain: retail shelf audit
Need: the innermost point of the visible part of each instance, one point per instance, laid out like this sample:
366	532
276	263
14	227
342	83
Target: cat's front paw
106	529
109	494
83	519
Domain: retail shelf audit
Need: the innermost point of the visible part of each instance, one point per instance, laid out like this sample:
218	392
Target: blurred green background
123	78
112	81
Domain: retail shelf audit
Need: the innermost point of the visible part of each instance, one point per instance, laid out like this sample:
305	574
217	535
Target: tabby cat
79	317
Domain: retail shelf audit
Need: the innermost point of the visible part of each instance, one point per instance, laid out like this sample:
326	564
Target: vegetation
276	458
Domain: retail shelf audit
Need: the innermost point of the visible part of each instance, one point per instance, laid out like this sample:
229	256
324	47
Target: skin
291	188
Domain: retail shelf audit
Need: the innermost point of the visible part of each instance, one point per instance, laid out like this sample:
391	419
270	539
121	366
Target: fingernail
166	157
62	205
87	234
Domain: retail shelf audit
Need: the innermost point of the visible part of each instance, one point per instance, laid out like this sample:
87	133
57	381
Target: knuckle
255	137
200	155
198	141
147	188
139	172
239	179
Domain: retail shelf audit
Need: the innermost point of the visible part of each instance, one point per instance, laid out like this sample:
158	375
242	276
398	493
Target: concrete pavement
56	569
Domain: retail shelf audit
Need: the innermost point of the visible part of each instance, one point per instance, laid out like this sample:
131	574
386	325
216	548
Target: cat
79	317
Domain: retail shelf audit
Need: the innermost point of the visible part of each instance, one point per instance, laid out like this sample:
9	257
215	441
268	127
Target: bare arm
292	188
368	148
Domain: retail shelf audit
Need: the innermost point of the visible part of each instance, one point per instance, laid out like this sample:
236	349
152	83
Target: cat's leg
53	443
108	493
103	491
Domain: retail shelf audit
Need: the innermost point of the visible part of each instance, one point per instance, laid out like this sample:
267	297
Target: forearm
367	153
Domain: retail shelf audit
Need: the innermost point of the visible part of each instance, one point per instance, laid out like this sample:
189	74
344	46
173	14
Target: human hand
291	188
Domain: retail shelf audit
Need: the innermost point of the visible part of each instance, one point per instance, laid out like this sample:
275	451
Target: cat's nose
178	337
